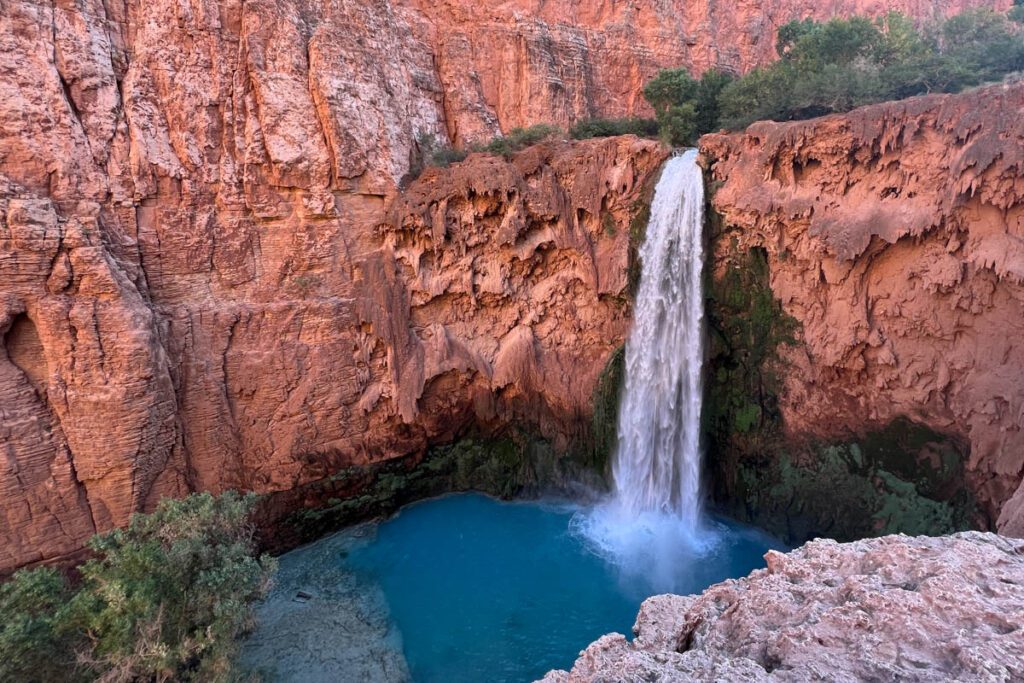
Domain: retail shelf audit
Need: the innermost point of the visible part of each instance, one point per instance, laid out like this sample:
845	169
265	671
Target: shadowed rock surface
891	608
894	237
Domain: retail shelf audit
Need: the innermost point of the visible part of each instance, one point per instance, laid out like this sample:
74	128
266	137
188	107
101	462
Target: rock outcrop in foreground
894	238
892	608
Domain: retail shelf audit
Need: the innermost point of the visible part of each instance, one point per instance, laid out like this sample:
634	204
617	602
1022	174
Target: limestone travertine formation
892	608
894	236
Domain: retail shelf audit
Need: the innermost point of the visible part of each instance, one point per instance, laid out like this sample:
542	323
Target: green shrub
519	139
845	63
32	605
164	599
1017	11
433	152
604	128
446	156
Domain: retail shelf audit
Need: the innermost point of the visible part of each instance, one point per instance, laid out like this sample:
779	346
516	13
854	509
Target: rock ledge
891	608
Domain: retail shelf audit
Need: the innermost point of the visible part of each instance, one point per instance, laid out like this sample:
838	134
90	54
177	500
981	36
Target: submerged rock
891	608
323	623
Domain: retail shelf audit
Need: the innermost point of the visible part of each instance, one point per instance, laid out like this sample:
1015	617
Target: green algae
605	400
511	466
855	489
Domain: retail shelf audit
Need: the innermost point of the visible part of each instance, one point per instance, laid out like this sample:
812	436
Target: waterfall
652	528
657	465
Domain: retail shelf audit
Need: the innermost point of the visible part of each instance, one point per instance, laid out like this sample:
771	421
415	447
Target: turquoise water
482	590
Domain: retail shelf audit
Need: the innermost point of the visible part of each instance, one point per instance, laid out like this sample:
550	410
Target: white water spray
652	526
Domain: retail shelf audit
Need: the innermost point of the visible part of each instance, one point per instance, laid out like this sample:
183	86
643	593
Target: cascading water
552	594
459	589
657	466
652	526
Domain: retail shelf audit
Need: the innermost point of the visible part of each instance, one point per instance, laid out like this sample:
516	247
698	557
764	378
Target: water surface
464	589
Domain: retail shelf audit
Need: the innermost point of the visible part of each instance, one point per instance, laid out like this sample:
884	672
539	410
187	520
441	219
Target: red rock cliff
895	236
193	289
141	364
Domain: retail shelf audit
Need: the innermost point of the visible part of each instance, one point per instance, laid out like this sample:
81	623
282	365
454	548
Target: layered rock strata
894	238
135	367
520	62
892	608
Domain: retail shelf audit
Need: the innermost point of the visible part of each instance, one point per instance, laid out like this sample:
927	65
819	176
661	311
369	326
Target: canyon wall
207	278
136	367
519	62
894	239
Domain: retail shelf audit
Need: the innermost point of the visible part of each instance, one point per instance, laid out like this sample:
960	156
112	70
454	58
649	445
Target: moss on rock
506	467
606	398
854	489
901	478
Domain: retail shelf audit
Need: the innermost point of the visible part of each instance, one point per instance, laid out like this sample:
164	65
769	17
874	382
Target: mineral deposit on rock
888	609
895	237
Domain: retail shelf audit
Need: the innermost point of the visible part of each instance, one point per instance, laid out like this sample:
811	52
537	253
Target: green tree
899	41
845	63
685	107
670	88
709	94
984	44
672	95
837	42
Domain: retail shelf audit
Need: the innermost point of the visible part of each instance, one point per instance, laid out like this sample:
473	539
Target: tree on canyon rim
685	107
841	64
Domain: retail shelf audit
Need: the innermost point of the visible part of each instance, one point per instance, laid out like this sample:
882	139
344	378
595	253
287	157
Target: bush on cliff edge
163	599
838	65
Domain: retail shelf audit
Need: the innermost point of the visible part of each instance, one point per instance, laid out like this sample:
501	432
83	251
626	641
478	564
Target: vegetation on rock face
747	325
607	395
434	152
163	599
519	139
603	128
835	66
901	478
505	467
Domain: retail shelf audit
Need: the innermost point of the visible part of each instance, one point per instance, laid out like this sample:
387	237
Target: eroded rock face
194	293
520	62
489	294
892	608
894	235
